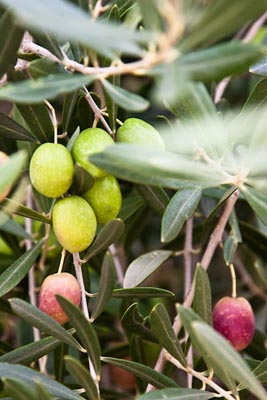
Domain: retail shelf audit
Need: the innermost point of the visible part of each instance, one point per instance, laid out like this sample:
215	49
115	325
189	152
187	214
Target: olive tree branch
188	280
31	276
161	52
205	380
214	241
78	270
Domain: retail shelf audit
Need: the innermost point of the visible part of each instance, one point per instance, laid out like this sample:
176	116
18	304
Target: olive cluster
75	218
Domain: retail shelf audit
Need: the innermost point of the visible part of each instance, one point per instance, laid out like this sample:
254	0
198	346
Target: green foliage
191	168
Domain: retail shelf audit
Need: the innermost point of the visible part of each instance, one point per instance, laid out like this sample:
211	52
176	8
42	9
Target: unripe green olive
136	131
63	284
105	198
91	141
51	169
74	223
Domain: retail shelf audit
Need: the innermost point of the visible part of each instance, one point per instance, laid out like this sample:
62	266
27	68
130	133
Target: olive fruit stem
63	255
233	276
205	380
53	118
79	276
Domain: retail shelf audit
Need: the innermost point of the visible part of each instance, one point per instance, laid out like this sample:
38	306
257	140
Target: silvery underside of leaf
226	148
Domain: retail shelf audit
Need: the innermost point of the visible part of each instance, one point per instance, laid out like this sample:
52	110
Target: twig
97	111
246	280
214	241
164	44
31	276
205	380
79	276
188	255
188	281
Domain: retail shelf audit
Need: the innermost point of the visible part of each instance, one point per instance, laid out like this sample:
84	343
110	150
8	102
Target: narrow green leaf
194	102
217	62
141	292
235	228
37	118
134	324
68	107
156	197
110	233
130	205
84	329
177	394
12	227
164	90
85	31
41	89
254	239
210	24
43	67
43	322
162	328
181	207
19	269
30	352
223	356
82	376
10	129
261	371
18	389
142	371
105	287
144	266
29	376
10	38
12	168
82	180
42	393
150	15
257	202
202	295
59	363
257	97
44	39
137	164
229	249
20	209
124	98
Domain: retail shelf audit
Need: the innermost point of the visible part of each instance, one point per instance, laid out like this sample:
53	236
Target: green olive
51	169
136	131
74	223
105	198
91	141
